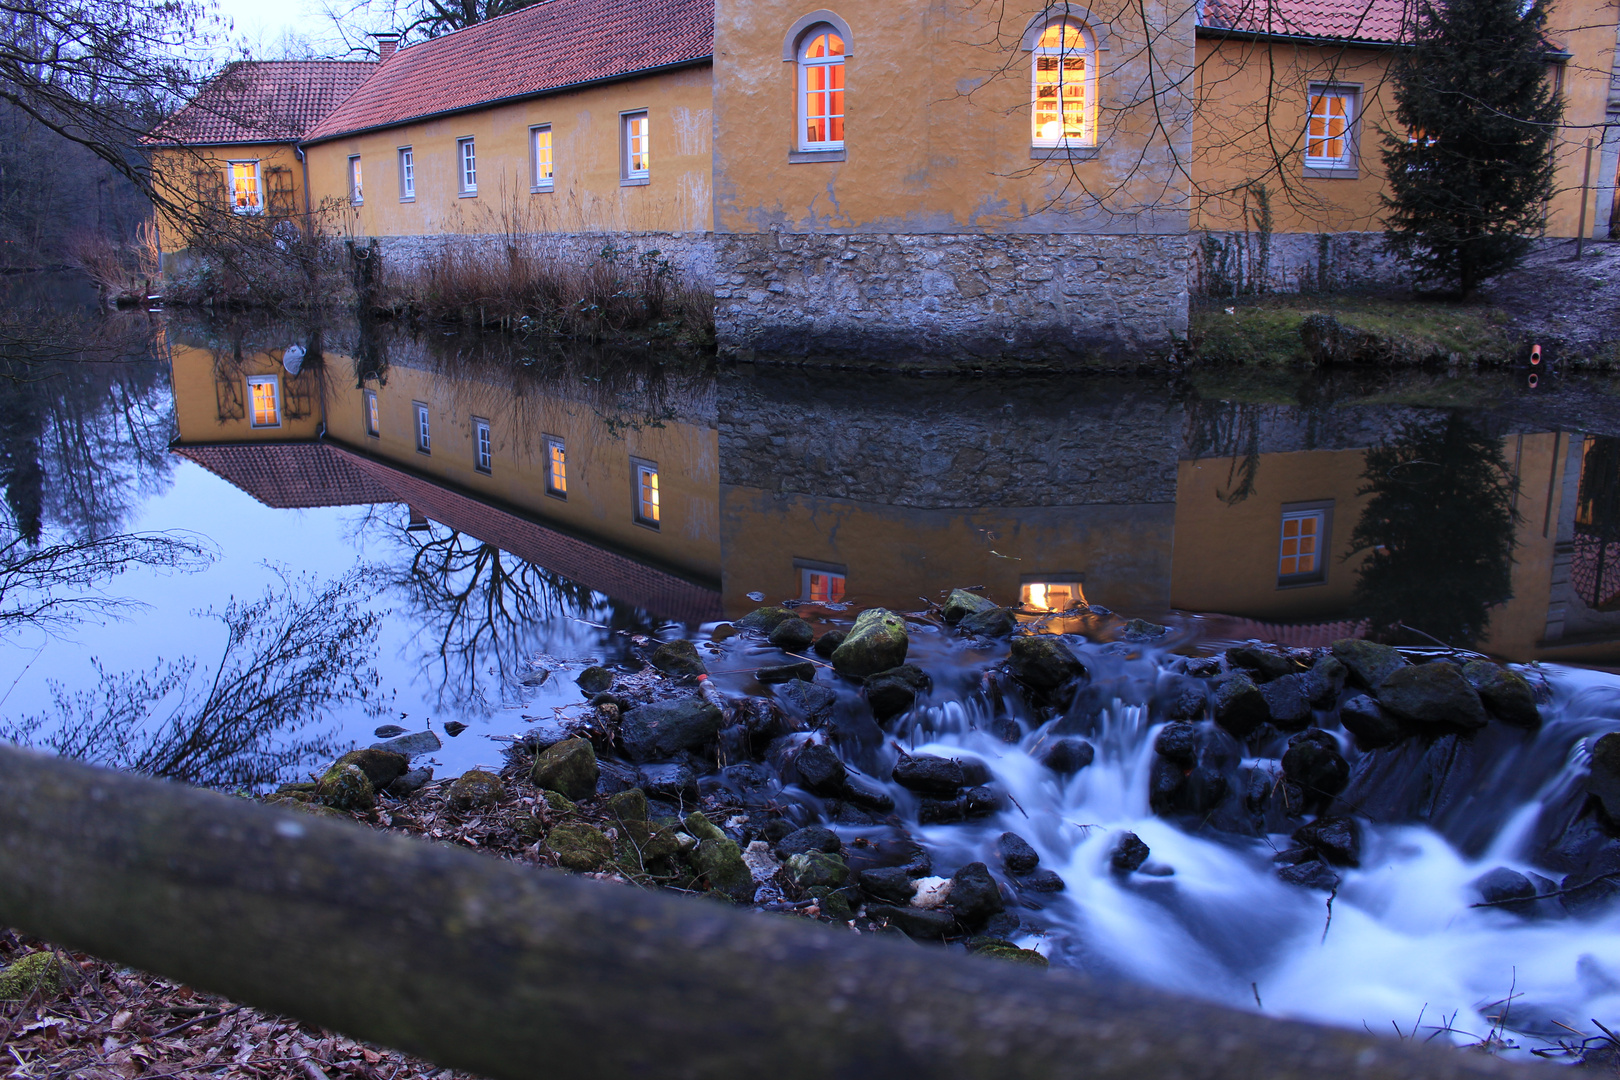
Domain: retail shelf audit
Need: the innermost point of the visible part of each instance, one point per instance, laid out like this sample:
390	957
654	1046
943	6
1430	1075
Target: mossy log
517	972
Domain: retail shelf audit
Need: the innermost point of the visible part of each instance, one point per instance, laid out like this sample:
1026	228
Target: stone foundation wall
691	254
1296	262
1040	300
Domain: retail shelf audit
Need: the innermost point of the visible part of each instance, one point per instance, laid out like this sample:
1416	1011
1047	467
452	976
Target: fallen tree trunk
514	972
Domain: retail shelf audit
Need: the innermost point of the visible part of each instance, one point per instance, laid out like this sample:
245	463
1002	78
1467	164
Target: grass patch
1362	330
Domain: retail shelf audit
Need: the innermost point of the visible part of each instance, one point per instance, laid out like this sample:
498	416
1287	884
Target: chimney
386	44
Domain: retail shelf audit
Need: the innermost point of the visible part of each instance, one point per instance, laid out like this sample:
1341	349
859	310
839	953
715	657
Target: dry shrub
123	272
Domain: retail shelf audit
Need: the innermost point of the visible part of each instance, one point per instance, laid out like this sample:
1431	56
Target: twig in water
1329	922
1541	896
1256	988
1020	806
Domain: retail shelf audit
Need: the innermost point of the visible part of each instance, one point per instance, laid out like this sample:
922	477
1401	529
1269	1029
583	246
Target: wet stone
662	729
866	792
820	769
1129	854
1313	761
1506	693
1288	702
345	787
594	680
388	731
568	768
1142	630
671	780
476	789
1178	743
962	603
1310	875
877	642
808	839
1067	756
792	635
413	745
1239	705
974	895
927	924
1016	853
765	619
1336	839
382	767
892	692
1369	663
827	643
994	623
817	868
678	658
1603	781
1506	889
1043	662
410	783
930	775
1041	880
1369	723
1325	679
803	671
1432	696
979	802
1264	661
811	700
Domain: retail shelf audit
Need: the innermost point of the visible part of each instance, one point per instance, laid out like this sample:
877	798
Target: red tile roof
545	47
289	475
257	101
1342	20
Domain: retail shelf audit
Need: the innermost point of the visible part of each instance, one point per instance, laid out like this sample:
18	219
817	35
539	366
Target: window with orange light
1300	554
264	395
1330	130
556	467
648	510
1063	85
1057	595
821	90
823	588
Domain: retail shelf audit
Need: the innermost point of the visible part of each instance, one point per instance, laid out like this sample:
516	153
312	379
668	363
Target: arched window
821	89
1064	82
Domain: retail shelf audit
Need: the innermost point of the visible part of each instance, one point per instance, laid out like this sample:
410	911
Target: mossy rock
961	603
382	767
594	679
1369	662
475	789
346	787
558	802
792	635
629	810
718	860
993	623
877	642
1000	949
765	619
678	658
295	798
1506	693
833	903
37	971
1141	630
817	868
568	767
579	846
297	789
1043	662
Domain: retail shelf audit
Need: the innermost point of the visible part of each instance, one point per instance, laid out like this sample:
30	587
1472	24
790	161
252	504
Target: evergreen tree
1439	530
1470	162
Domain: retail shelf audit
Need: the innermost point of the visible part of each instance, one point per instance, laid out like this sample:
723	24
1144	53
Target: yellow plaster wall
937	132
587	195
1517	627
600	494
895	554
174	172
195	374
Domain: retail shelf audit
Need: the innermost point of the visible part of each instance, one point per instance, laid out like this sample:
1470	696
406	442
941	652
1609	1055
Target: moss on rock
678	658
346	787
579	846
476	788
382	767
38	971
877	642
568	768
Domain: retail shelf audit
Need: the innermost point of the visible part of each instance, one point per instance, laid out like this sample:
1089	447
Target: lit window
540	153
1328	137
407	173
1054	593
357	193
373	427
264	393
646	474
821	90
1299	556
467	157
556	468
635	146
481	445
424	438
1062	87
246	195
823	587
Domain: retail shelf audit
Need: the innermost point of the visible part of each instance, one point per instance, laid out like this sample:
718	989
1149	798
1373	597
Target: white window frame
370	413
630	176
258	186
640	468
805	65
483	446
274	383
542	157
1087	139
357	191
1347	163
407	174
555	443
808	569
424	427
467	166
1321	512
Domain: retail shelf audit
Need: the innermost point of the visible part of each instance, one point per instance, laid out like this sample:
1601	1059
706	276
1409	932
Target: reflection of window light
482	457
556	468
373	428
1055	592
823	588
262	391
647	510
1300	552
424	437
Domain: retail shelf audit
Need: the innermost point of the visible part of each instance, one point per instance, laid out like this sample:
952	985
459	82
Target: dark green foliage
1469	159
1439	532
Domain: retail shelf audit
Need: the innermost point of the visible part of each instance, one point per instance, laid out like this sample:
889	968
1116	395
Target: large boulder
476	789
1369	723
1043	662
961	603
1239	705
974	895
382	767
892	692
663	729
679	657
568	768
1336	839
877	642
1432	696
1369	662
346	787
792	635
765	619
1604	780
1505	693
929	775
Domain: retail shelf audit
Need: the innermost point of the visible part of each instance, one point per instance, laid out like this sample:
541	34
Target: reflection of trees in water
1595	566
1228	429
482	611
52	586
289	660
1438	531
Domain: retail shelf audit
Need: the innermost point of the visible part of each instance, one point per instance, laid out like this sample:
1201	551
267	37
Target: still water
379	528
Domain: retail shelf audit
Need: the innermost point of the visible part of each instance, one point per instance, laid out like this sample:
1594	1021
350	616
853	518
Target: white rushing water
1403	950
